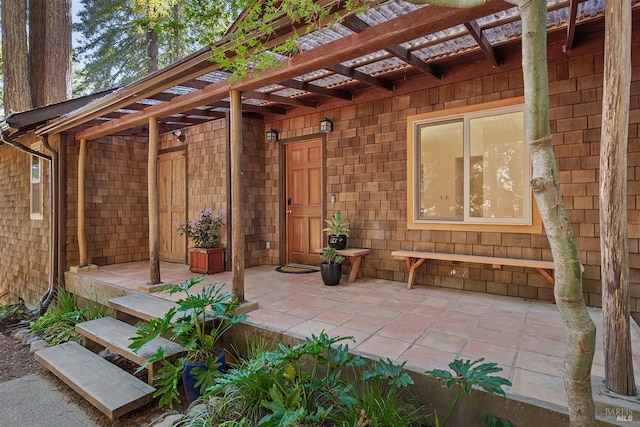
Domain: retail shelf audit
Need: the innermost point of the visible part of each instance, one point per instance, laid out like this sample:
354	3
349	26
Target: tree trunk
15	66
50	51
568	281
152	49
614	246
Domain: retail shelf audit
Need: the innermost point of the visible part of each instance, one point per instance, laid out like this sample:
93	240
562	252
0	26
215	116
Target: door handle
289	211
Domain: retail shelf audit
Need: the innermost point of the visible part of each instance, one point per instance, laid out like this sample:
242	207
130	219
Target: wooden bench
414	259
354	255
107	332
110	389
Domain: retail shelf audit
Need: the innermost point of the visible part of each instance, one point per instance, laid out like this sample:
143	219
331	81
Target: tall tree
50	51
614	246
37	66
15	66
126	39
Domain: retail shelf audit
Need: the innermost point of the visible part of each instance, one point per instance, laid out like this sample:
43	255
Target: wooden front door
172	176
304	201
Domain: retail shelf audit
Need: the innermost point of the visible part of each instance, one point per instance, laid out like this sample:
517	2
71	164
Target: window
469	166
36	187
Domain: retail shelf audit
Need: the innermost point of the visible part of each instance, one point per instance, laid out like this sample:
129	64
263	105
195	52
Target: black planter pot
338	242
331	273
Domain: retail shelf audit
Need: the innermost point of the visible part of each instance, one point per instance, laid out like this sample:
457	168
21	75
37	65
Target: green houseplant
198	323
205	257
338	230
331	267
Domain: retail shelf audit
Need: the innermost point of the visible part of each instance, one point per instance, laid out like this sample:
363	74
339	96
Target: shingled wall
366	168
24	242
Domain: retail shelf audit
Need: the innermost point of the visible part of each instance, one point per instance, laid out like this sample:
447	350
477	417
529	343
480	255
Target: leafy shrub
58	324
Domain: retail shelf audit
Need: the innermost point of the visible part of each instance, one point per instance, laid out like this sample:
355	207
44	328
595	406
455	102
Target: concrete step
113	334
107	387
133	308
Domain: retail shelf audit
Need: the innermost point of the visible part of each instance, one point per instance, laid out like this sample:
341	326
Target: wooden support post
82	231
237	195
154	207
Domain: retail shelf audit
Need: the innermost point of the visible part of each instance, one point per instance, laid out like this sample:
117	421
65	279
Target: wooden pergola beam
279	99
361	77
571	25
423	21
310	87
357	25
476	32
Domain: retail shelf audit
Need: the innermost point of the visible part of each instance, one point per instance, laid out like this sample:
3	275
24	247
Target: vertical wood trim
154	203
237	194
82	231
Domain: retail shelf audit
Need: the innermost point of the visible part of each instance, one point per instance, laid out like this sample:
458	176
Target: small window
470	168
36	187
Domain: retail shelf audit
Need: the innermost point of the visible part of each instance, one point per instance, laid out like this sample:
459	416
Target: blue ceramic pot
189	382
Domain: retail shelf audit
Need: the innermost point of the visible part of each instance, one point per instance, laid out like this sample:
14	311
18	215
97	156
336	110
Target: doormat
297	269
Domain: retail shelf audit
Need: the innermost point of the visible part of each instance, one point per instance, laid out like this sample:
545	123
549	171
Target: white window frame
529	223
33	180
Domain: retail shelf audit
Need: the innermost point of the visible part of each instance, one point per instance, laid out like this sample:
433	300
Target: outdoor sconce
326	125
179	134
272	135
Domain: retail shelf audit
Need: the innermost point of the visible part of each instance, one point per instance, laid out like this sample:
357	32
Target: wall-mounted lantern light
326	125
179	134
272	135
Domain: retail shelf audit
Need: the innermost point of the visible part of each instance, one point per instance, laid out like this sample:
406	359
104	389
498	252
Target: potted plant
338	230
198	323
331	267
205	257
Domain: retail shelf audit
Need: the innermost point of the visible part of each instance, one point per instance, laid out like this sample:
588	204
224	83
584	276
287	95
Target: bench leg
412	265
355	269
551	279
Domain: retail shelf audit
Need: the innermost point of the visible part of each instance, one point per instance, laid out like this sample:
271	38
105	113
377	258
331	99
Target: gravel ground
16	361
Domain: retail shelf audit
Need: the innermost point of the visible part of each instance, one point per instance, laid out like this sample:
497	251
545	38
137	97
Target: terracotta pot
206	260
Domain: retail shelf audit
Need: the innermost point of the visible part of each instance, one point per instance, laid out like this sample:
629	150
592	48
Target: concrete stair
112	390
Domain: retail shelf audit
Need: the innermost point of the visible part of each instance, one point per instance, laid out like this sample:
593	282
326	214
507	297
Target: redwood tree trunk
15	66
614	246
50	51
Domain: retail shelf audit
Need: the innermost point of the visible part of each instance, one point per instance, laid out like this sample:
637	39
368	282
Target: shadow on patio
427	327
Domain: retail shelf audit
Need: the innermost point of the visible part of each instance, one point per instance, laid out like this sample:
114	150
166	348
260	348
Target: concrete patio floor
427	327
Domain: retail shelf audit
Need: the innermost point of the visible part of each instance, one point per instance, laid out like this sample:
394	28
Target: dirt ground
16	361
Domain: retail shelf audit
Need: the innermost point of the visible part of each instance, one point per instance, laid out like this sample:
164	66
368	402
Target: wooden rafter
361	77
310	87
250	107
357	25
279	99
571	25
476	32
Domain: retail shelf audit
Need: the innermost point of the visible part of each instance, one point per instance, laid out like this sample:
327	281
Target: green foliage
494	422
58	324
204	230
304	385
336	225
197	324
330	255
466	375
9	310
